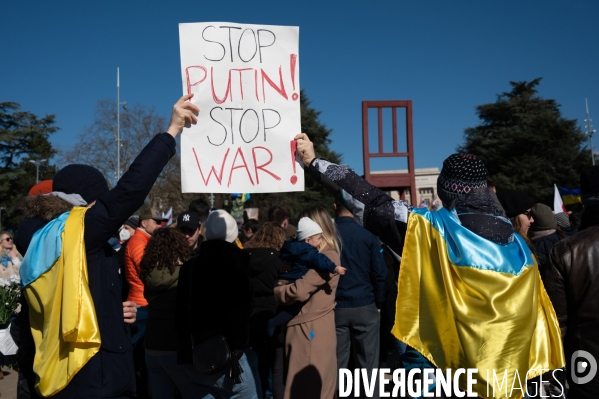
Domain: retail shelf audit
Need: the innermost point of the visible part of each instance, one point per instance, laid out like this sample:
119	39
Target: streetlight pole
118	124
37	163
590	132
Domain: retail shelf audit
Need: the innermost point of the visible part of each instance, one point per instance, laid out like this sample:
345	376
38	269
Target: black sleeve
113	208
316	260
382	215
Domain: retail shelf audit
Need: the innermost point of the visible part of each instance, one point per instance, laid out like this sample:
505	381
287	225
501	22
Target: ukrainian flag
570	196
61	309
466	302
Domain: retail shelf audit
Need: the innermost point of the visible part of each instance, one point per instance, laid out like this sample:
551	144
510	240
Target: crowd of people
116	303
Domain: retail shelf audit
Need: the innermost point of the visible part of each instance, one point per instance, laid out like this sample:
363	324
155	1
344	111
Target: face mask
124	235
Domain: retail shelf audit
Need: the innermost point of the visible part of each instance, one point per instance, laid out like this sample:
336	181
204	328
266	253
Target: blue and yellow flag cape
61	309
466	302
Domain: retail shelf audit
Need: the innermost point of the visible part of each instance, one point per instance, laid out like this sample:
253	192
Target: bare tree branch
97	147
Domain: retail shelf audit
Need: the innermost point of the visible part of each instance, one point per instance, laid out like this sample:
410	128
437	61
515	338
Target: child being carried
302	255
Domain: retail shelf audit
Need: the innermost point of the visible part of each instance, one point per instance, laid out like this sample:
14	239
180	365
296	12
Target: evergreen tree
23	137
314	193
526	144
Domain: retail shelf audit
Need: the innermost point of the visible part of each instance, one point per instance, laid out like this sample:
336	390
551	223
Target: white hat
307	228
221	226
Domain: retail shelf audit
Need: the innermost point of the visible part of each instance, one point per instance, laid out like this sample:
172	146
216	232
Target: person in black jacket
109	373
166	251
265	266
214	297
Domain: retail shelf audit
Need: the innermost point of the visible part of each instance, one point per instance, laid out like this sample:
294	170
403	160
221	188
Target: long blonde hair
330	237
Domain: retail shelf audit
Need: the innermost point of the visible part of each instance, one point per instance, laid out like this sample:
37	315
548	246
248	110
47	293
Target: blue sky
447	57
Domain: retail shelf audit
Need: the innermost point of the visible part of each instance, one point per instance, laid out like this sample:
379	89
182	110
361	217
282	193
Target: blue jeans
220	386
165	374
412	359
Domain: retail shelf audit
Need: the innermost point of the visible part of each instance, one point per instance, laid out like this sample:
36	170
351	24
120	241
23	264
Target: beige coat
311	340
12	267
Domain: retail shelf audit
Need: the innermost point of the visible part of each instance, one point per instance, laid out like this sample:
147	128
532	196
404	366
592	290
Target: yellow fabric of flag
62	314
571	199
466	302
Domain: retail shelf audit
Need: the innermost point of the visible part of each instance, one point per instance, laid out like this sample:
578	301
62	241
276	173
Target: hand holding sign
184	114
305	148
246	82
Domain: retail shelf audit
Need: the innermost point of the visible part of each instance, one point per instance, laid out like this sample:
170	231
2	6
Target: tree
314	193
23	137
526	144
97	147
97	143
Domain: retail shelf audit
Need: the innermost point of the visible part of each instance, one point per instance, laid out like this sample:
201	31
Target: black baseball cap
190	219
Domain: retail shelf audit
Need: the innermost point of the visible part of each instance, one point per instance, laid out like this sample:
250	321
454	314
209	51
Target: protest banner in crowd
245	80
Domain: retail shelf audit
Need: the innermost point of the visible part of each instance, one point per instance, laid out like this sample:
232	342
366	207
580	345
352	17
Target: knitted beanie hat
132	222
221	226
543	217
84	180
461	174
514	202
307	228
563	220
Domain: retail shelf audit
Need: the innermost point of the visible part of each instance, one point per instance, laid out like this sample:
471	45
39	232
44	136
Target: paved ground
8	385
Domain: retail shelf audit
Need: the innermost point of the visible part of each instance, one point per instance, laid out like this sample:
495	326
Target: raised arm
113	208
382	215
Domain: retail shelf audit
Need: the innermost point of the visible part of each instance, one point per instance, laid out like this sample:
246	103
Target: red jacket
133	255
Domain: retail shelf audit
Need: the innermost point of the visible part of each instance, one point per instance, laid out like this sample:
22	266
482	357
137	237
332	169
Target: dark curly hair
168	248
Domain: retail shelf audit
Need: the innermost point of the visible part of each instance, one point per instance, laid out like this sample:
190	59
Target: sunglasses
528	214
7	239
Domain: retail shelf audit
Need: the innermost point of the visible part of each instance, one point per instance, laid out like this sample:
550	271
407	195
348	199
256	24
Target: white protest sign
245	80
